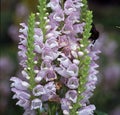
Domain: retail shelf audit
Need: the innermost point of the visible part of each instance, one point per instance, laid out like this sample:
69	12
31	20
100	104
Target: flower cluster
51	57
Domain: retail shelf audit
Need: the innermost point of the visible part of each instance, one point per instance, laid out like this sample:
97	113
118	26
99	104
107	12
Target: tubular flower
58	61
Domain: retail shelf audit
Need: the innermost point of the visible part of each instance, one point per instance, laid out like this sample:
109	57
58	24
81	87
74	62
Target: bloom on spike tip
58	60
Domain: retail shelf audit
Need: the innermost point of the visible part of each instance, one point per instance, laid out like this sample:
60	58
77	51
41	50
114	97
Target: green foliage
30	48
84	10
84	60
42	8
87	28
100	113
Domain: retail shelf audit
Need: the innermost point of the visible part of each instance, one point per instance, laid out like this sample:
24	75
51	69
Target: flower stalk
42	15
58	60
30	51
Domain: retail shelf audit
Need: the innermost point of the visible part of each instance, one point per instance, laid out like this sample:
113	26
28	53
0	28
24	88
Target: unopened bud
87	51
48	27
70	107
74	54
37	23
66	112
38	79
77	112
35	62
44	9
25	69
49	35
36	71
37	14
29	68
80	53
79	92
45	18
47	21
81	45
47	14
75	61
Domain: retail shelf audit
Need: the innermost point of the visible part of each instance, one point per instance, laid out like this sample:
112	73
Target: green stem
42	10
49	109
30	48
38	112
85	62
62	4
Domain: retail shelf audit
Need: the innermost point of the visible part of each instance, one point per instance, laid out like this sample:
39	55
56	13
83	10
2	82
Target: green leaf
100	113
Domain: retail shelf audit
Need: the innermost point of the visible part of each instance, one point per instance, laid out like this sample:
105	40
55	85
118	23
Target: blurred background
107	21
